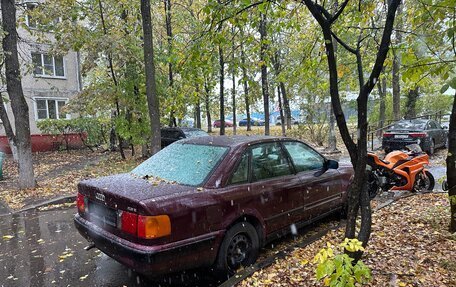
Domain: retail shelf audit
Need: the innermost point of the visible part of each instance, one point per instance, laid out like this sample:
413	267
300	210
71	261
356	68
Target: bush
338	270
93	132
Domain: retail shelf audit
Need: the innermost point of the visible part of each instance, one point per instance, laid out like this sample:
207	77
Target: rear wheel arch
257	224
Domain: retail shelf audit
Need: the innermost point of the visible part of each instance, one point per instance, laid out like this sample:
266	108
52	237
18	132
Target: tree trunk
451	166
396	69
283	92
16	95
264	72
234	100
151	88
332	141
382	110
246	87
198	109
282	118
208	111
8	129
357	192
222	91
410	107
114	80
286	105
169	37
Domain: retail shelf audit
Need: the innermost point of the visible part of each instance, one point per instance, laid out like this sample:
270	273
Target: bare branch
342	7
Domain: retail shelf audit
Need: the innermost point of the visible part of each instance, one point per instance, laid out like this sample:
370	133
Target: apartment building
48	81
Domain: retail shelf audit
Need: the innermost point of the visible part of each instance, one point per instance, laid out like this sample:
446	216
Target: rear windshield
408	125
187	164
195	133
174	134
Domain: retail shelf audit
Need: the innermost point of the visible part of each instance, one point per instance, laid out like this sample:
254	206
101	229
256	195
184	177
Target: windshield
195	133
187	164
408	125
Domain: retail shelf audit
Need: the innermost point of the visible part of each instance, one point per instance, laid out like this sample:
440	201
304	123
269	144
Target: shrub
339	270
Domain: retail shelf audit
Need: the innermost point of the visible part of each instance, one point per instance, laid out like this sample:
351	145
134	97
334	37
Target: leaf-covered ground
58	173
409	246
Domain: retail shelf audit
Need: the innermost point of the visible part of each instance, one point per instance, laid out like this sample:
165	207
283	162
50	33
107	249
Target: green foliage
93	131
338	270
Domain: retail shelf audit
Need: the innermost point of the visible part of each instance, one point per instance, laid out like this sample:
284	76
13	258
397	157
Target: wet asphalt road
44	249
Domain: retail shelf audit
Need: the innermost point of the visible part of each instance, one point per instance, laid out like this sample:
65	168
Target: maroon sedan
218	123
209	201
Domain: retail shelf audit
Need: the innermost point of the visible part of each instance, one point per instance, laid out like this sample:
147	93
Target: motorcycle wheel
424	184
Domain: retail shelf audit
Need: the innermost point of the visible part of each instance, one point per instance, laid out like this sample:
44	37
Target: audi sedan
428	134
209	202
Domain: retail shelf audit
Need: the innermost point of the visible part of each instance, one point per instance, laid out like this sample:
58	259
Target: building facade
49	81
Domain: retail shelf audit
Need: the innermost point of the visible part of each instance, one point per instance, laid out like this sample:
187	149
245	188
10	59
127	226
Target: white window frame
43	75
35	107
27	16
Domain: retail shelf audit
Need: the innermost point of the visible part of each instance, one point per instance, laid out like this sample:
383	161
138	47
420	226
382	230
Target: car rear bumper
153	260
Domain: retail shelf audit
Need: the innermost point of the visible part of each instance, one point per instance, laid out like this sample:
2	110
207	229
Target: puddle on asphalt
44	249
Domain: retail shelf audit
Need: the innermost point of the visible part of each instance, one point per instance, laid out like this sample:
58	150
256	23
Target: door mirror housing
332	164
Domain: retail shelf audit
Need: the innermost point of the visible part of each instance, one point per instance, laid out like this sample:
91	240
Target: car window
408	125
195	133
188	164
432	125
268	161
304	158
174	134
241	174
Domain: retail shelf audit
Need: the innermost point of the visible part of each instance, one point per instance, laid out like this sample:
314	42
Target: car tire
239	248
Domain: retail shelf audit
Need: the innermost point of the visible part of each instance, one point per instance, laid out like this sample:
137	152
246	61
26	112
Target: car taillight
153	226
418	135
387	135
80	202
127	222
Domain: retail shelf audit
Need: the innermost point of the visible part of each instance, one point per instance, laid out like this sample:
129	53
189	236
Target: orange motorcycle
400	170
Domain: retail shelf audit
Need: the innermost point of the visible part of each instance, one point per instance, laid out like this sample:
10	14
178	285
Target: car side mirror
332	164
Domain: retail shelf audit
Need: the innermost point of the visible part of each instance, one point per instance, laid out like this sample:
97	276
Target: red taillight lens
418	135
128	222
153	226
387	135
80	203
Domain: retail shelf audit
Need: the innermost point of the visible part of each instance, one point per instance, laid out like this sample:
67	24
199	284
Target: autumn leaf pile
409	246
58	173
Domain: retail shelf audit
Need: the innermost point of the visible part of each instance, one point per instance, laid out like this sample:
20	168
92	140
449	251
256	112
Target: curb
56	200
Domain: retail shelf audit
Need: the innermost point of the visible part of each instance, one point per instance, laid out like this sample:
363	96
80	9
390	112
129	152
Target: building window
34	23
50	109
48	65
31	22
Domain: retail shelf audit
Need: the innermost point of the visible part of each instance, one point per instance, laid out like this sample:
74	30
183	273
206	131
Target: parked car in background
278	121
209	201
170	135
427	133
218	123
253	122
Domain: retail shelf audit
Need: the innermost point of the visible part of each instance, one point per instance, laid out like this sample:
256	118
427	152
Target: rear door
321	189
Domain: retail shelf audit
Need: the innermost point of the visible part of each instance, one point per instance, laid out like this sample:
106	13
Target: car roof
184	129
232	141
